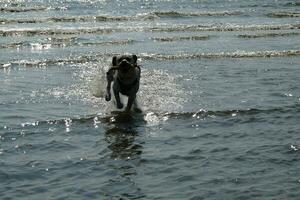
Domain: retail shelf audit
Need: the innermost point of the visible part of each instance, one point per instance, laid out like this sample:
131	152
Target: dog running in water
125	75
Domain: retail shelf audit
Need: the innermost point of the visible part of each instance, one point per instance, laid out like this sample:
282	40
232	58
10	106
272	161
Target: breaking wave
22	9
119	117
104	18
169	28
63	42
98	18
172	39
262	35
225	27
47	62
149	56
202	113
284	14
54	31
237	54
193	14
292	4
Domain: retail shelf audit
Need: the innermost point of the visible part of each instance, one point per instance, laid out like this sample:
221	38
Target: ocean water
219	92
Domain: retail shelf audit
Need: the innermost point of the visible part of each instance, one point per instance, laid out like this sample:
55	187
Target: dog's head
124	62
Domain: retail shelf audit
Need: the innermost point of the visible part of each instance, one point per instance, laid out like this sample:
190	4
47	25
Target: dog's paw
107	97
137	110
119	105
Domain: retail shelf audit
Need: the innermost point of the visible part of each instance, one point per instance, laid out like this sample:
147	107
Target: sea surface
220	100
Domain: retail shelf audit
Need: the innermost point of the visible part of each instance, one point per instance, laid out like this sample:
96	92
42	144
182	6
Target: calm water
219	92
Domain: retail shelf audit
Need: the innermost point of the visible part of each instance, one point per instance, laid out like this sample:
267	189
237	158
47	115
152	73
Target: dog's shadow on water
121	155
121	133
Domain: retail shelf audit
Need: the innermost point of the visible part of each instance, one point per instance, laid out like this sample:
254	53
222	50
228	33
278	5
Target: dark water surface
219	92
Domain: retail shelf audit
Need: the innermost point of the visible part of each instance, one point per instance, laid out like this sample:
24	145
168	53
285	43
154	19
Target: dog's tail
109	73
114	68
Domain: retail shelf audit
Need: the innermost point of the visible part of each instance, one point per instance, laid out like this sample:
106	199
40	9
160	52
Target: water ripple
150	56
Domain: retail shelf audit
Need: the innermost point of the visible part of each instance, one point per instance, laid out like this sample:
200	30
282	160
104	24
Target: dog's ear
134	58
114	61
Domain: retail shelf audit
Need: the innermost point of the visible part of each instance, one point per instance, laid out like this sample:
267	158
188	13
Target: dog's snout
124	62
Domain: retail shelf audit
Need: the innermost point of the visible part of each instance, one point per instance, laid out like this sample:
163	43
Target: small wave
205	113
95	58
47	62
24	45
19	21
237	54
120	117
172	39
102	18
65	19
292	4
111	42
43	147
64	42
87	18
229	27
105	18
169	28
116	117
22	9
262	35
202	113
284	14
193	14
54	31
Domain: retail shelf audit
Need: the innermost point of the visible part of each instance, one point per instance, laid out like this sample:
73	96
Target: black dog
125	73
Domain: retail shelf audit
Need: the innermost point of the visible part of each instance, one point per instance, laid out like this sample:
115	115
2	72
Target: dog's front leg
118	100
109	78
131	100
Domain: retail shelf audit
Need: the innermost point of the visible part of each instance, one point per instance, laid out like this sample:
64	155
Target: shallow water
219	92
